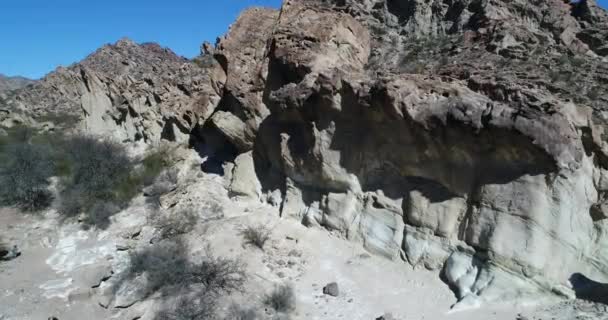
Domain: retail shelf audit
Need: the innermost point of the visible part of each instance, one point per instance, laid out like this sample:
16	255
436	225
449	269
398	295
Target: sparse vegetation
170	226
281	299
256	235
100	171
204	61
219	274
167	265
196	283
25	169
97	177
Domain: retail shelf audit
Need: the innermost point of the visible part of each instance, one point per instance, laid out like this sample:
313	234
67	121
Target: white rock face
244	182
470	178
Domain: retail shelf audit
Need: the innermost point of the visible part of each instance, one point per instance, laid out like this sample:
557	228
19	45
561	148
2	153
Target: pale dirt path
27	283
308	258
369	285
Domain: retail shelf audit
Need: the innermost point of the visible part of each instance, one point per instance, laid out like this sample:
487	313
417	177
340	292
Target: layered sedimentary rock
493	177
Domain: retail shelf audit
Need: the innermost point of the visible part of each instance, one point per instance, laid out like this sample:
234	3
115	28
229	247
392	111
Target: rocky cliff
464	136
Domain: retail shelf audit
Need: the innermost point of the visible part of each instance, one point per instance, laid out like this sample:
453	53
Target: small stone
331	289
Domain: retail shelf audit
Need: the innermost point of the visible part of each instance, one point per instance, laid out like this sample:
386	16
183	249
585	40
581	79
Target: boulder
244	181
331	289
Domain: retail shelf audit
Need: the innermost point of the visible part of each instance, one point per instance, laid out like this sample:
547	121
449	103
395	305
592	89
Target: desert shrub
256	235
146	173
163	184
174	225
594	93
14	136
219	274
281	299
196	284
99	171
237	312
24	172
154	163
167	265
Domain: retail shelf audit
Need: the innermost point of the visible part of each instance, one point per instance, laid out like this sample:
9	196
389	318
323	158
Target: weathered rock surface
469	165
129	91
12	83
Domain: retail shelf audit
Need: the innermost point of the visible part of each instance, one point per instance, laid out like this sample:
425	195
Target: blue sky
38	35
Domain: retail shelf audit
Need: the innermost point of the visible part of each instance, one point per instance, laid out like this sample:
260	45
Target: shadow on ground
189	287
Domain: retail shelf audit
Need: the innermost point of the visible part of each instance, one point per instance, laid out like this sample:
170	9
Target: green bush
256	235
98	177
99	170
25	169
168	268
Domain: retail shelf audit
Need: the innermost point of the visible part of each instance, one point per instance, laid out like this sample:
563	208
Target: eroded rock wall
495	191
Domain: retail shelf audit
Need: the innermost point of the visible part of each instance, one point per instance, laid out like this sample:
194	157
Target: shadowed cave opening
212	146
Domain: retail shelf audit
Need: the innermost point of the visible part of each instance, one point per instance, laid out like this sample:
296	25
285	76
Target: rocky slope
129	91
463	136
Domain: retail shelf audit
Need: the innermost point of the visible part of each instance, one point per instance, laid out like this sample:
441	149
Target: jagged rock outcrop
471	164
129	91
242	53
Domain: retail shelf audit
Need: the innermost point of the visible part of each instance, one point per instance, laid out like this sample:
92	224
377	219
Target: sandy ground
61	267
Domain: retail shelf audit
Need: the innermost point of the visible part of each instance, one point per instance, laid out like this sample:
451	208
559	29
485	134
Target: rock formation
434	132
129	91
464	136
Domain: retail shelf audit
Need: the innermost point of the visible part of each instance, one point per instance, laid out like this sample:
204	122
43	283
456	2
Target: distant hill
11	83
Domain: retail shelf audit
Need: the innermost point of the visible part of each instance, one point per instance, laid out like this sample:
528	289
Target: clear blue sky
38	35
